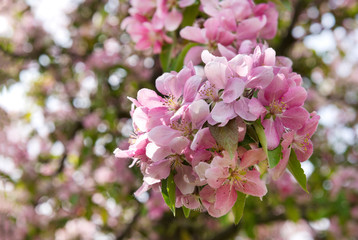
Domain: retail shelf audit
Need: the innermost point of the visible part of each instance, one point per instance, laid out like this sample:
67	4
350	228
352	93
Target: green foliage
261	135
168	192
166	57
294	166
186	211
274	156
238	208
190	14
227	136
179	62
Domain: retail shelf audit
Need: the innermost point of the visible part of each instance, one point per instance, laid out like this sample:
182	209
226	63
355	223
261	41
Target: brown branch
288	40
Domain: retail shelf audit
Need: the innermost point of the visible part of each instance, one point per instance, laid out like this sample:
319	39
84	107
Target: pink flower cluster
173	132
150	20
233	20
230	22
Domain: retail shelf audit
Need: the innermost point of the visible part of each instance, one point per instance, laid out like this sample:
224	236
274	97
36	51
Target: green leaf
261	134
171	187
227	136
274	156
190	14
238	208
179	62
168	192
165	57
294	166
186	211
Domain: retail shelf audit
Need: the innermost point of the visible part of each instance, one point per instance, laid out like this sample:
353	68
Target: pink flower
300	141
228	175
284	103
145	34
213	32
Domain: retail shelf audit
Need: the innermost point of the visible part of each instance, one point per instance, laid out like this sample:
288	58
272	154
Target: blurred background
66	69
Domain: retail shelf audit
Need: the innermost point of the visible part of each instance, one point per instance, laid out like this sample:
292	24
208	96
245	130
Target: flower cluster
232	20
150	20
201	131
214	131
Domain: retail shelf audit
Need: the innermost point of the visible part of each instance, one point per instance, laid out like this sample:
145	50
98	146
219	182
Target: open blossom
298	140
227	175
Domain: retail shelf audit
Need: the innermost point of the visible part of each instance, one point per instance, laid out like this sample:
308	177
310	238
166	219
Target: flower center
301	142
277	107
172	103
183	126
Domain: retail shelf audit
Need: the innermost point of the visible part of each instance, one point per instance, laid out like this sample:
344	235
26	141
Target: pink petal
225	37
144	188
191	202
216	176
252	157
282	164
295	97
270	29
159	170
173	20
198	156
210	7
310	125
241	64
207	57
162	135
216	73
168	84
194	55
184	186
143	44
225	198
294	118
226	52
223	112
242	130
207	196
260	77
252	185
200	169
270	57
149	98
287	139
179	144
304	153
156	153
249	28
199	113
249	109
203	140
276	89
233	90
186	3
140	119
158	116
212	26
191	88
247	46
194	34
272	136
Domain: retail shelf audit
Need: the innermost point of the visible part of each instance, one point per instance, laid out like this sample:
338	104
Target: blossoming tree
210	108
